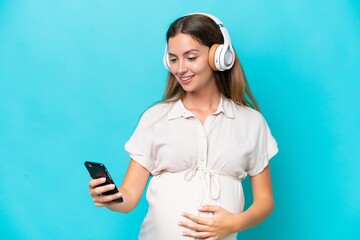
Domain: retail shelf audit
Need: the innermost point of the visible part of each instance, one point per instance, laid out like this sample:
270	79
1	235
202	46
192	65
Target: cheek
173	69
205	69
202	66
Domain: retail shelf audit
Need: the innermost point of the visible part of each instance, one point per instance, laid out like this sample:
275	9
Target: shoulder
154	114
253	123
245	113
249	118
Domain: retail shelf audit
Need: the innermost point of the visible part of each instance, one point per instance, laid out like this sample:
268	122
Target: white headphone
221	56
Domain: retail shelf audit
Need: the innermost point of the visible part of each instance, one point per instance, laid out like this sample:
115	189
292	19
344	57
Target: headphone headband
225	33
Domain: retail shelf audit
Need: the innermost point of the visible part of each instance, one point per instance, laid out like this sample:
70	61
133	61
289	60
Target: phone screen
98	170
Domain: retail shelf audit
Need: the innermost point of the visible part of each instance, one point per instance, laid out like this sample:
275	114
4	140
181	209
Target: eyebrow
185	53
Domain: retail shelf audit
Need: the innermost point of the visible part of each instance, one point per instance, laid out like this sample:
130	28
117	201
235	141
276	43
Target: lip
186	79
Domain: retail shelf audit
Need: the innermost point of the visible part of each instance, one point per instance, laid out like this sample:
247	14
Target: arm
224	223
263	203
131	189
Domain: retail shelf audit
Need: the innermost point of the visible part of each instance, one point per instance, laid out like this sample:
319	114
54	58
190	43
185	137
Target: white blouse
194	164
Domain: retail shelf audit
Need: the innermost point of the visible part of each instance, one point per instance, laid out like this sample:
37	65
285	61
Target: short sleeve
139	147
264	148
141	143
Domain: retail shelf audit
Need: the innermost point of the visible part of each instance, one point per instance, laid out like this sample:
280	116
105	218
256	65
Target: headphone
221	56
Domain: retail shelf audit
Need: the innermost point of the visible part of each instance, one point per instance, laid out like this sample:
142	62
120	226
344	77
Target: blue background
76	75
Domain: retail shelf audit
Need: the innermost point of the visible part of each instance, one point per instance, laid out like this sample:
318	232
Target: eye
191	59
172	60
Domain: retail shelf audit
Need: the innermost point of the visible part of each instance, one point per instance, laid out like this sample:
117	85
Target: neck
202	101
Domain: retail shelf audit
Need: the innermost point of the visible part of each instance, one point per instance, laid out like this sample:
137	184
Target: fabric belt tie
210	180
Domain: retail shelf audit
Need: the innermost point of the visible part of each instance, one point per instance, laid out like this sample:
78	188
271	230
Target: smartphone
98	170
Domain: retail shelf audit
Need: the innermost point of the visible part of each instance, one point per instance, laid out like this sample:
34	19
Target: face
189	64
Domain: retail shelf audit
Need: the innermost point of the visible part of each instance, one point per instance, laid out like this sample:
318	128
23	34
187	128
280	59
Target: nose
182	67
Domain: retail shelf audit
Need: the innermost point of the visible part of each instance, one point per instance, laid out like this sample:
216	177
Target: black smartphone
98	170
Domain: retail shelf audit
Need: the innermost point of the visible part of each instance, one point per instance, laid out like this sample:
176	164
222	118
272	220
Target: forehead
183	42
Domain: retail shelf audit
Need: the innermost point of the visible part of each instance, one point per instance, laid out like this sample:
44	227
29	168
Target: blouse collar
178	110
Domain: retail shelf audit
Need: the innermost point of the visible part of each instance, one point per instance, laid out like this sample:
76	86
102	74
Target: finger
198	235
104	204
209	208
99	190
194	226
196	219
95	182
212	238
106	199
100	204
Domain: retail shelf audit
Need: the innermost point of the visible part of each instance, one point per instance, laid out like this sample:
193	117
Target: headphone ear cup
227	59
166	59
167	63
212	57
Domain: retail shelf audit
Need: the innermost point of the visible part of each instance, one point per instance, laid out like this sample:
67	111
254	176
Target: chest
219	143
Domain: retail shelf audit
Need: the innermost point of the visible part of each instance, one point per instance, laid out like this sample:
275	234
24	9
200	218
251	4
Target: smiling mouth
186	79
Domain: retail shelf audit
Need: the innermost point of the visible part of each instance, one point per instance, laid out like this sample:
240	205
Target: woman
198	143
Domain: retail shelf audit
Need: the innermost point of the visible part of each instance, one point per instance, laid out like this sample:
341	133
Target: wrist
237	223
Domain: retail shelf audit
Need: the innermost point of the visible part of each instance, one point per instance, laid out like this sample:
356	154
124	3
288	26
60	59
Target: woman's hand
96	193
224	223
216	227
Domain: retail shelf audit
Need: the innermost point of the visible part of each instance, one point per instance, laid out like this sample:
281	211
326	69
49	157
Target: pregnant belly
169	195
